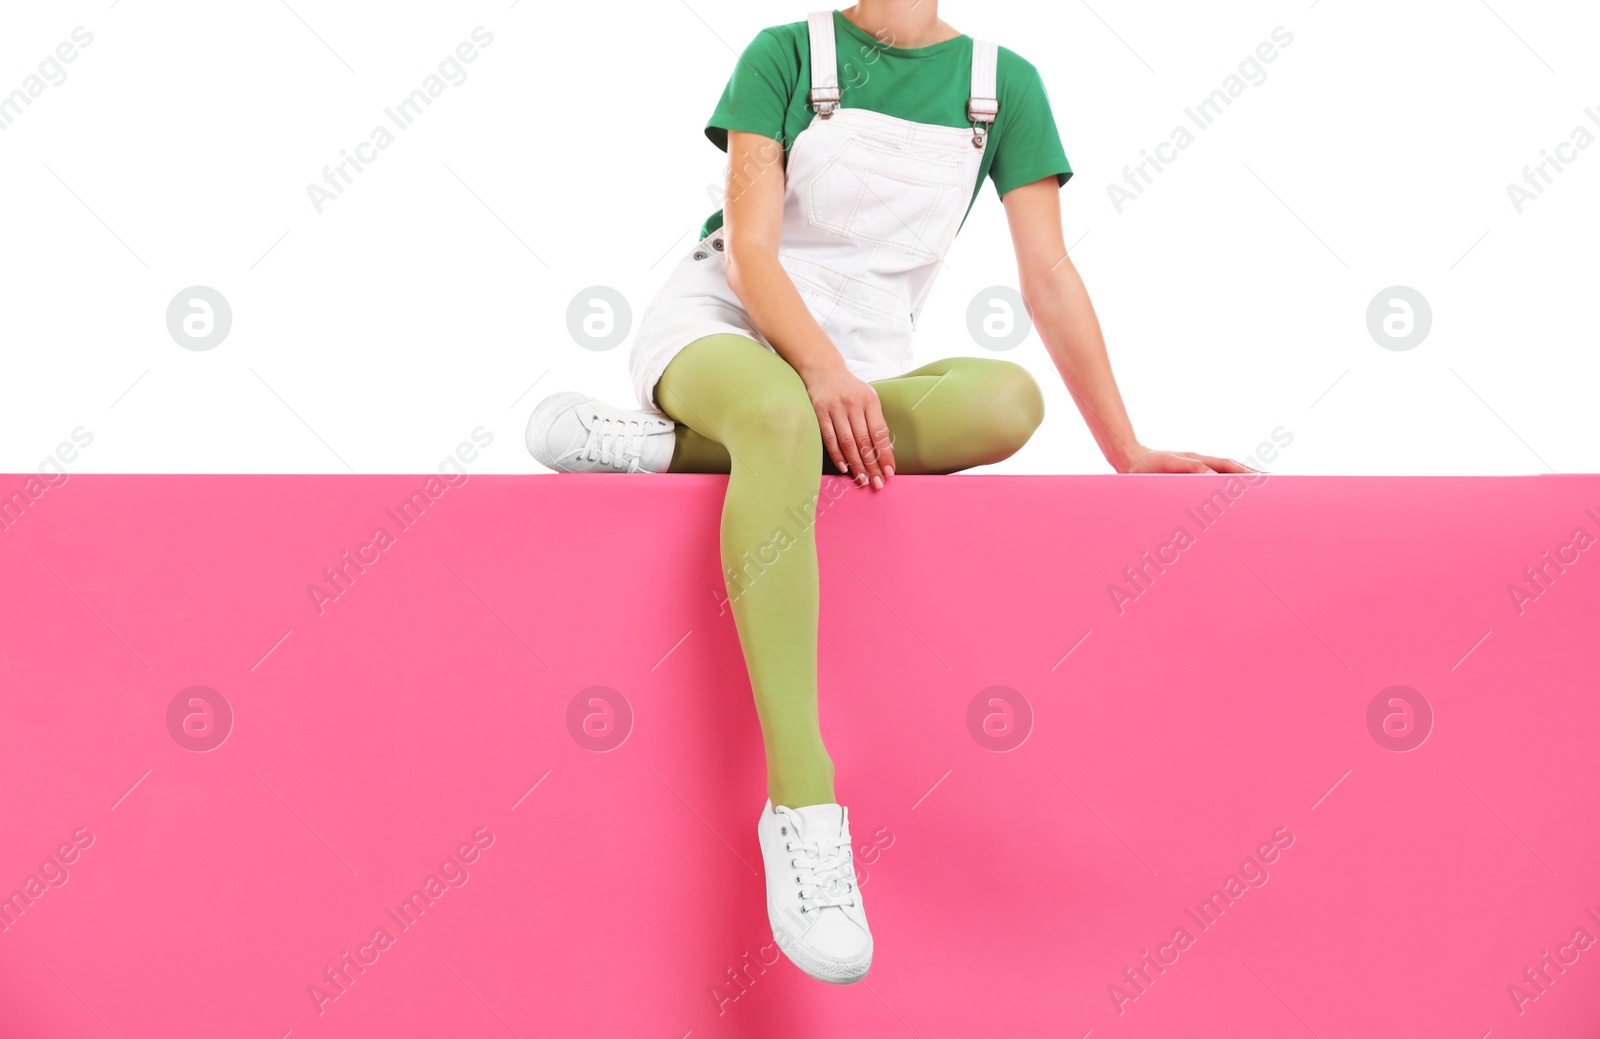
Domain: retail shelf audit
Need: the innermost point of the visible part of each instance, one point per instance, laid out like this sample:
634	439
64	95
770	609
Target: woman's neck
900	23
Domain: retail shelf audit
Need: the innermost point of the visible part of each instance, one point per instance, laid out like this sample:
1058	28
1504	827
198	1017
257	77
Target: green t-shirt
767	94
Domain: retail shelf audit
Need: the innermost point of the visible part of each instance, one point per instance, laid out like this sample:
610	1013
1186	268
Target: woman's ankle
802	799
803	791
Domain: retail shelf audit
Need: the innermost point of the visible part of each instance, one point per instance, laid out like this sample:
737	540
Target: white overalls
871	204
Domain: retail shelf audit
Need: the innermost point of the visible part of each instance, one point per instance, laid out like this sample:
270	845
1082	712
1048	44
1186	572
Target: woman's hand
1148	460
852	425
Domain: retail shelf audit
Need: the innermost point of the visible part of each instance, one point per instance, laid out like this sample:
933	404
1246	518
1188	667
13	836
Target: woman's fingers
847	443
1175	462
1219	465
882	445
864	448
1228	465
830	441
850	419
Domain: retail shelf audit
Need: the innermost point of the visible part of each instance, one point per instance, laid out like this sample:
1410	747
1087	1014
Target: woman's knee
777	420
734	390
1016	405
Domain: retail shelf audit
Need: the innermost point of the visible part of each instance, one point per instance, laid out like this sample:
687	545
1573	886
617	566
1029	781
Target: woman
779	346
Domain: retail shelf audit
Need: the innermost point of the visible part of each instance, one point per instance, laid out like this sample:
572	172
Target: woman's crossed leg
743	410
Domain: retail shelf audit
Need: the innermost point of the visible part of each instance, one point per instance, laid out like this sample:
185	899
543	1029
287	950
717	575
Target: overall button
700	254
716	243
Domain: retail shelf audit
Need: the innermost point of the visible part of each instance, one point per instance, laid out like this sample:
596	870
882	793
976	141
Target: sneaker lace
612	442
823	871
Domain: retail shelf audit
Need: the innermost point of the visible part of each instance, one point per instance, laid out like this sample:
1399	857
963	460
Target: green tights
743	410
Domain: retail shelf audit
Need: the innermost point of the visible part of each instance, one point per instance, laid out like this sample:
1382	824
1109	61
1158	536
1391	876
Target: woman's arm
848	413
1060	309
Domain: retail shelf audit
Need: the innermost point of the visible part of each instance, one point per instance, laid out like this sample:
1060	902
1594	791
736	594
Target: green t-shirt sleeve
1028	146
758	92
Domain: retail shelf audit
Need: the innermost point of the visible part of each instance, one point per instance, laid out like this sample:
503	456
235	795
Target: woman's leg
743	410
946	416
959	412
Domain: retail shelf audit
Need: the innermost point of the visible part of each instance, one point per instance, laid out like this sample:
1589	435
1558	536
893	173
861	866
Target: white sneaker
572	433
813	902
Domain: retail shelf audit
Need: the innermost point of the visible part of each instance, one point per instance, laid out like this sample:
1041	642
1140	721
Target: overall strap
984	103
824	97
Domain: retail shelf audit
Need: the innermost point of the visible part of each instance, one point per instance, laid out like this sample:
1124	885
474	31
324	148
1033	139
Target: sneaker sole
834	972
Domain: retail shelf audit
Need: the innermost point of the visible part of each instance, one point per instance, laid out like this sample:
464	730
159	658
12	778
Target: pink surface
610	892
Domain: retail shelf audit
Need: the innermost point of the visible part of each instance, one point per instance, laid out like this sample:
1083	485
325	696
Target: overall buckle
982	112
824	100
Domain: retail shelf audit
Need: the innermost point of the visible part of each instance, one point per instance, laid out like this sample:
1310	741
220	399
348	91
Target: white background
432	294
